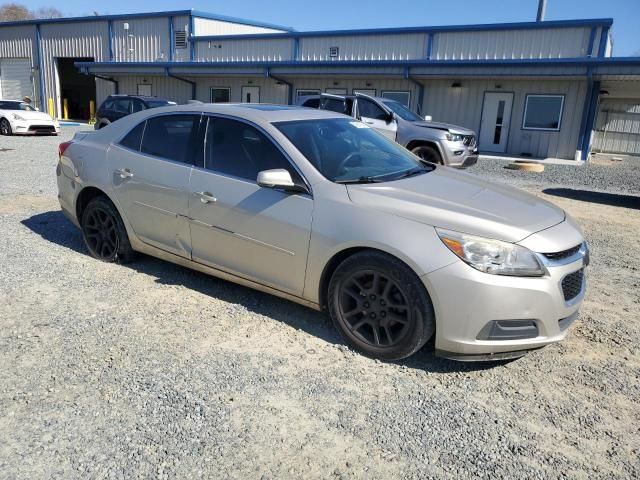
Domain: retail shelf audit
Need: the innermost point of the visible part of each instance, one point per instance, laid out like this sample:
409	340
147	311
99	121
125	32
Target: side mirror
276	178
391	117
428	118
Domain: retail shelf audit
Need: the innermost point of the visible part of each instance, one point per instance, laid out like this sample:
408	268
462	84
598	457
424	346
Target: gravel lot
152	370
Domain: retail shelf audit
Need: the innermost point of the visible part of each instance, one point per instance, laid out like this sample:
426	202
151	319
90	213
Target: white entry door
496	118
250	95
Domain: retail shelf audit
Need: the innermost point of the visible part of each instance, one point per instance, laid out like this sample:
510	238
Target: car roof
264	112
141	97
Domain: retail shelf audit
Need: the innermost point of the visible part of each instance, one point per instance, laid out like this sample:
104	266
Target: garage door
15	78
618	127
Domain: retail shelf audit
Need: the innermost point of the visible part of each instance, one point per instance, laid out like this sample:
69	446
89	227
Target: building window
401	97
220	95
543	112
303	92
333	52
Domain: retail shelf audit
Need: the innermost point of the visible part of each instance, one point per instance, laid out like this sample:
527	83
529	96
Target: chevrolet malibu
320	209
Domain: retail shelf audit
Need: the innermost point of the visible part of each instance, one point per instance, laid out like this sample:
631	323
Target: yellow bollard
92	112
65	109
51	110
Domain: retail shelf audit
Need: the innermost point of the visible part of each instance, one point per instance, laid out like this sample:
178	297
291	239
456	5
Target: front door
250	94
376	117
237	226
496	118
150	176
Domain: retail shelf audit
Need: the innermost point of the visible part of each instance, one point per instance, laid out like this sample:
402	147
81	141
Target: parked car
434	142
21	118
117	106
320	209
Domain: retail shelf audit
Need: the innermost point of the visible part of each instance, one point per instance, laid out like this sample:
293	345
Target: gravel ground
154	371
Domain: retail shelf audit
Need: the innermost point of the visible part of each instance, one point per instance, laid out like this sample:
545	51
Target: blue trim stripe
172	40
192	44
43	100
593	99
110	29
604	38
429	45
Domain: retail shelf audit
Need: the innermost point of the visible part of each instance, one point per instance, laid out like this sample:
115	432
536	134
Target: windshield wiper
359	180
413	172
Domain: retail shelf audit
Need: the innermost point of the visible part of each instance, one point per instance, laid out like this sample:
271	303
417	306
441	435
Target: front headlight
492	256
18	117
455	137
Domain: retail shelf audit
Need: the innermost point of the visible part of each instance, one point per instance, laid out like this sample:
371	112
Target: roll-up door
15	78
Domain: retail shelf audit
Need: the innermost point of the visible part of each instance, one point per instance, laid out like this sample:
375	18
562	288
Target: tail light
63	148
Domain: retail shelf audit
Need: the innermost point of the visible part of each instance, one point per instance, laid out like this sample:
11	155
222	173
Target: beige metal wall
404	46
618	126
463	106
205	26
244	50
146	40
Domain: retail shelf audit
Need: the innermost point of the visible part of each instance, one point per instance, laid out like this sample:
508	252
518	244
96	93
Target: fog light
508	330
458	152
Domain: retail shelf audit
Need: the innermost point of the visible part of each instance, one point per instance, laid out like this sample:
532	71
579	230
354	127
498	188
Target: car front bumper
36	127
468	304
460	156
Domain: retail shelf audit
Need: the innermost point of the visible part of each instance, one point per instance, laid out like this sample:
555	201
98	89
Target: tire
380	306
104	233
428	154
5	127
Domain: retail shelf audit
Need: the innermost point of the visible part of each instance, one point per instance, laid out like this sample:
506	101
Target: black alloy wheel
427	154
5	127
104	233
380	306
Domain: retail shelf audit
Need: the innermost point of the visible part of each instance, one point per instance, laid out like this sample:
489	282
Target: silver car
321	209
433	142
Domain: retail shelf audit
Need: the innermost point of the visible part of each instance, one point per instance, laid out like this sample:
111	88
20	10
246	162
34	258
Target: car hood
462	202
27	115
444	126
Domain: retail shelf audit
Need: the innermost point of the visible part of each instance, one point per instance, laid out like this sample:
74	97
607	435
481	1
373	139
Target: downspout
172	39
116	86
42	100
420	86
110	28
588	114
190	82
267	73
192	44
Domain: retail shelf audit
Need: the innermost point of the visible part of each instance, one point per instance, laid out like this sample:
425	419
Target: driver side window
240	150
368	109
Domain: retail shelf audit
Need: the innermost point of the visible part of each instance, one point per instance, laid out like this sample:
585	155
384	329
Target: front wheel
380	306
428	154
5	127
104	233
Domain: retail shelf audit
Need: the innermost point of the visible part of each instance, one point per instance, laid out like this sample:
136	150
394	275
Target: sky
338	14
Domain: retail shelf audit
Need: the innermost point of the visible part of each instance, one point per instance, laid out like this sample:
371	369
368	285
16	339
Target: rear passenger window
238	149
333	105
133	138
169	136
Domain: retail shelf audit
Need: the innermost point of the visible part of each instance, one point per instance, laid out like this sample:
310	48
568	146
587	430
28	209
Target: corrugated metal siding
181	23
82	39
463	106
618	127
270	91
205	26
17	42
509	44
161	86
366	47
244	50
147	40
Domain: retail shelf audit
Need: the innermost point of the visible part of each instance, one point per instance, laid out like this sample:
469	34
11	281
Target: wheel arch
87	194
429	143
338	257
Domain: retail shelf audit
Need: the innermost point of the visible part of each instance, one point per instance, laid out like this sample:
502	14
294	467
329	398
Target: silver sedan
320	209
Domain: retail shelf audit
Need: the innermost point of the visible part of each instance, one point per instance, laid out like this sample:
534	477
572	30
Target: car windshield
16	106
402	111
158	103
348	151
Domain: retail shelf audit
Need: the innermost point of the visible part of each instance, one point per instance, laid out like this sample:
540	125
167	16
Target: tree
11	12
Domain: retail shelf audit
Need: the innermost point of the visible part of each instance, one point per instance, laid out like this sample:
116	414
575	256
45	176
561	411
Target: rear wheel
380	306
104	233
428	154
5	127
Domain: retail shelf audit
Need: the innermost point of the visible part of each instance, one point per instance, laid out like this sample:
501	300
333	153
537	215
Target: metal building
537	89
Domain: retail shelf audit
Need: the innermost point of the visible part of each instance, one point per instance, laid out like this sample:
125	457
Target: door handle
206	197
124	173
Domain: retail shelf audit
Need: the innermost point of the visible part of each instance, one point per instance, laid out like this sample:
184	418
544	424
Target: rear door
237	226
376	117
150	169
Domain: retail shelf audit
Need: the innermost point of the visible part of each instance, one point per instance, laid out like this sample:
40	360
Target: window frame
201	152
545	95
309	92
408	92
193	145
374	102
211	89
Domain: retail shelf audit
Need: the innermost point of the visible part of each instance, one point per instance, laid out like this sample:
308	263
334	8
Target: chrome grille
563	254
469	140
572	285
